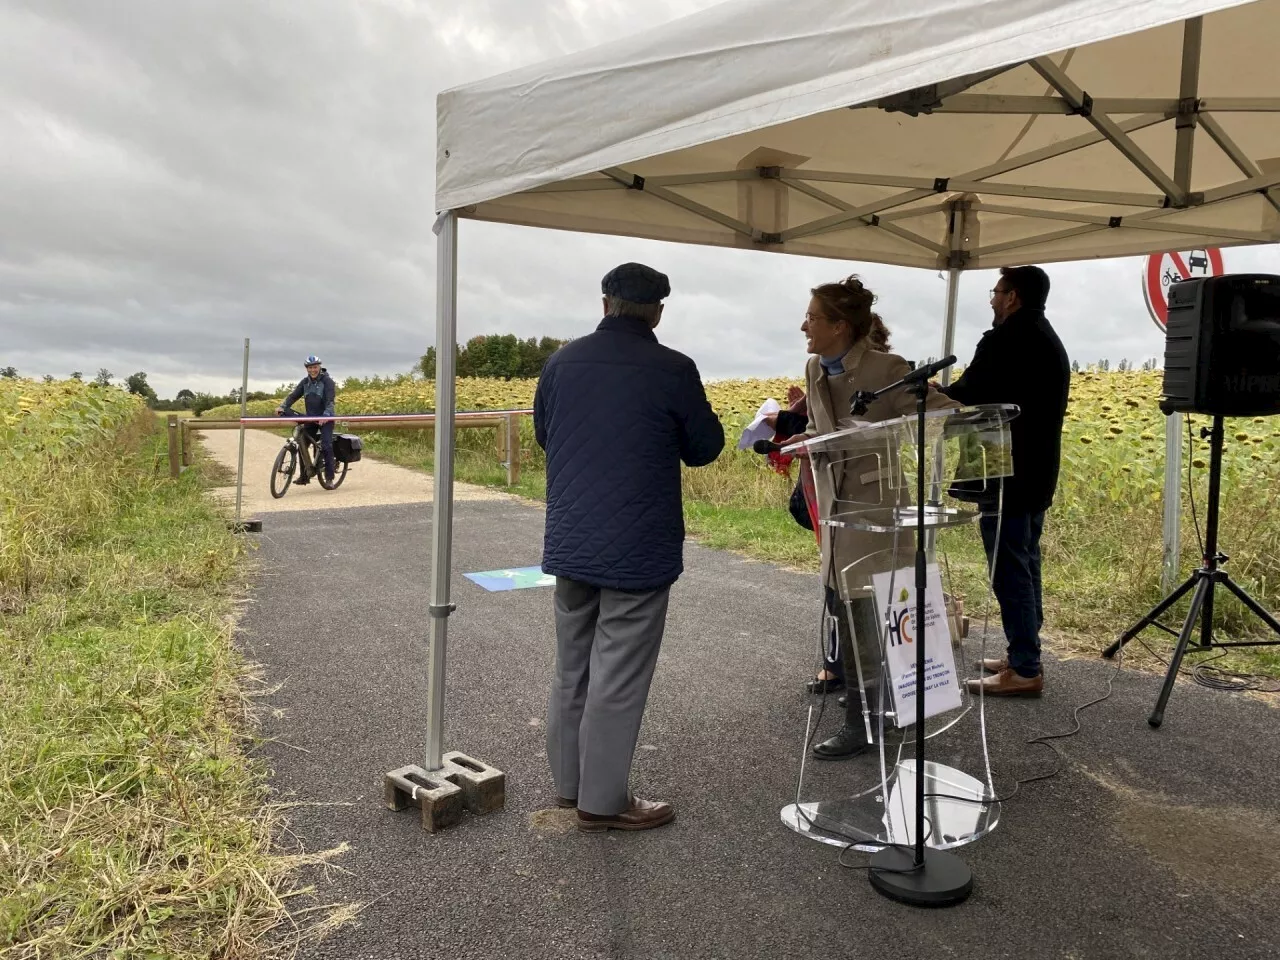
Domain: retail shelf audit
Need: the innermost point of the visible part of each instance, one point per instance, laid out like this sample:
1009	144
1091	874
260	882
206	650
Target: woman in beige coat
849	347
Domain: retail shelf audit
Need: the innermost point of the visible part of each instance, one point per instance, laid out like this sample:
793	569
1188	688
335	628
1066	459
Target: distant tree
77	375
103	379
1104	365
48	378
136	383
9	373
501	356
1075	366
184	396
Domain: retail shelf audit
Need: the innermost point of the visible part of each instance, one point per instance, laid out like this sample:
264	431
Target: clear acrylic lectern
864	476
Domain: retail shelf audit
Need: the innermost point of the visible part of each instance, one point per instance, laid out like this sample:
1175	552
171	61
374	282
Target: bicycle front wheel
281	475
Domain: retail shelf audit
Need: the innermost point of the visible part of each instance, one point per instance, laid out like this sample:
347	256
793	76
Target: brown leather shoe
641	815
1006	683
564	803
994	664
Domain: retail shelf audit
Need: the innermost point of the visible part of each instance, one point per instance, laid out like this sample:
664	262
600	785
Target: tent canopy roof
931	133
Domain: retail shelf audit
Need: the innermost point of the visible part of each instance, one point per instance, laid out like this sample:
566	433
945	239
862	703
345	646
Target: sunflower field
731	398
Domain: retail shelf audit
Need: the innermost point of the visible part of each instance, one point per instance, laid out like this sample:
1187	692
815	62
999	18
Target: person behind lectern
849	346
617	413
1020	360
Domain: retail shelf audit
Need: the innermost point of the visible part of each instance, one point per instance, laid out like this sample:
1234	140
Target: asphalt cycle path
1149	843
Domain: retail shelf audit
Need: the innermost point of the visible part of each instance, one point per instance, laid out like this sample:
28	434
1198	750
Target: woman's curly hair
851	302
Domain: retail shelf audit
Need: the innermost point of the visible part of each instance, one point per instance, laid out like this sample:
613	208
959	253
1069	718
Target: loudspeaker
1222	346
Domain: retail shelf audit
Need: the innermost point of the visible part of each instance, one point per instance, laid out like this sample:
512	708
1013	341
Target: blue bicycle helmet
310	360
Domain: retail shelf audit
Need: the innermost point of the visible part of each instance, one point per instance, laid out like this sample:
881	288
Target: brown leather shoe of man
994	664
641	815
1006	683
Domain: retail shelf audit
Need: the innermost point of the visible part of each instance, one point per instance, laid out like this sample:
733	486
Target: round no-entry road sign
1162	270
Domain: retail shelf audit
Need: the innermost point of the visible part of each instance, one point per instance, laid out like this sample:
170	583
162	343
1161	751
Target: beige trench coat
865	479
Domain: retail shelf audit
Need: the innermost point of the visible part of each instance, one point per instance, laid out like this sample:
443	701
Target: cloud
177	177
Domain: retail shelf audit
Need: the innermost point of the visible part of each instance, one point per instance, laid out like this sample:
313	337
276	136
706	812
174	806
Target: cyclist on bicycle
318	390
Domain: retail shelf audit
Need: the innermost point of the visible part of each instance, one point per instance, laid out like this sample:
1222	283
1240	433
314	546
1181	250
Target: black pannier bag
346	447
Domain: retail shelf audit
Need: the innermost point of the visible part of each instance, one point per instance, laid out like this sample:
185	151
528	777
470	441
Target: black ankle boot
849	741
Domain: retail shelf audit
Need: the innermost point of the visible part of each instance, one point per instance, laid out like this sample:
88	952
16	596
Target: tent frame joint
940	184
957	259
1115	222
637	182
769	173
1085	109
1188	112
441	611
913	102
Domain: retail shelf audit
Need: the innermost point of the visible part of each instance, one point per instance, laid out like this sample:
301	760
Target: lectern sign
902	633
1162	270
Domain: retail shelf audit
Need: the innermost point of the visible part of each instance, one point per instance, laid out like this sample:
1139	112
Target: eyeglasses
814	316
996	290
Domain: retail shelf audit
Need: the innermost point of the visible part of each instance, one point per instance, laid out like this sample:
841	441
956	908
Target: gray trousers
606	648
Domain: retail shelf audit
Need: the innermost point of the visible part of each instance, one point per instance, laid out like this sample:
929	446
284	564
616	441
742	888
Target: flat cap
635	283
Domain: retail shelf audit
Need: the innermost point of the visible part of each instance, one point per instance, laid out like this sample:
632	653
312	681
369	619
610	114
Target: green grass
132	822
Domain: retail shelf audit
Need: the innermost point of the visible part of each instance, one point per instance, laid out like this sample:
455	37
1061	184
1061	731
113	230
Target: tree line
498	356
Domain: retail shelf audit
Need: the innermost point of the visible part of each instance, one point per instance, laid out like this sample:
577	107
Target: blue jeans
1017	584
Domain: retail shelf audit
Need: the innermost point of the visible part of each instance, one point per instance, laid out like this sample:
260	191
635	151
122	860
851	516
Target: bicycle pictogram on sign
1162	270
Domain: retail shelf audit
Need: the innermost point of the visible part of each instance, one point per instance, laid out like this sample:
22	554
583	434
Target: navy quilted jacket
616	413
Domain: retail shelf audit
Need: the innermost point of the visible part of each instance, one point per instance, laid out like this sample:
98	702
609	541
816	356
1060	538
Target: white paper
757	429
941	685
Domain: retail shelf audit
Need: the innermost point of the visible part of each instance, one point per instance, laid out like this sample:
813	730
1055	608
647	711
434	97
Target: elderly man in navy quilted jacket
617	413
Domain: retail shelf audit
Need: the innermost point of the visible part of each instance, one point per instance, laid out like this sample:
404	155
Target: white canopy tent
945	134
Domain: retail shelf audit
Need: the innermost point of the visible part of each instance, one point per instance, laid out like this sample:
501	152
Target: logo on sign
1163	270
900	622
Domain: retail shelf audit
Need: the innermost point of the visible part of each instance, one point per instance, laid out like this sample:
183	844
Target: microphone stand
924	877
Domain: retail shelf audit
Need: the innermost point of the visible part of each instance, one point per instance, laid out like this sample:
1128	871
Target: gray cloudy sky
175	177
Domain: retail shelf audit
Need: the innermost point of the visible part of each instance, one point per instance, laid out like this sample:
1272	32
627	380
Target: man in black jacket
617	413
1020	360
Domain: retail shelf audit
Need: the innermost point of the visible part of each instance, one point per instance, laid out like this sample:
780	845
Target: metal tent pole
449	782
446	230
949	326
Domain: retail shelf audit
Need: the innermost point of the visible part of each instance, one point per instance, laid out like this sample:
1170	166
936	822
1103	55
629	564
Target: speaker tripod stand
1204	579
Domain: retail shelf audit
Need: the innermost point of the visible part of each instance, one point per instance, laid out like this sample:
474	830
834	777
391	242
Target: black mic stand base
942	880
919	876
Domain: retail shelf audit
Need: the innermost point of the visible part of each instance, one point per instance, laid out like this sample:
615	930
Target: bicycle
286	465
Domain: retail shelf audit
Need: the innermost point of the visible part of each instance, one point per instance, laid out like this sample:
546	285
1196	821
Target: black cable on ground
1215	678
1045	740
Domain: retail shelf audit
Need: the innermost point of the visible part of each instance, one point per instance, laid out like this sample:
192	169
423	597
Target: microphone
917	375
765	446
926	372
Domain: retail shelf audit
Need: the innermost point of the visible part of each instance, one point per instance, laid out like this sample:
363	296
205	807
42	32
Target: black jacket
617	413
1022	361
